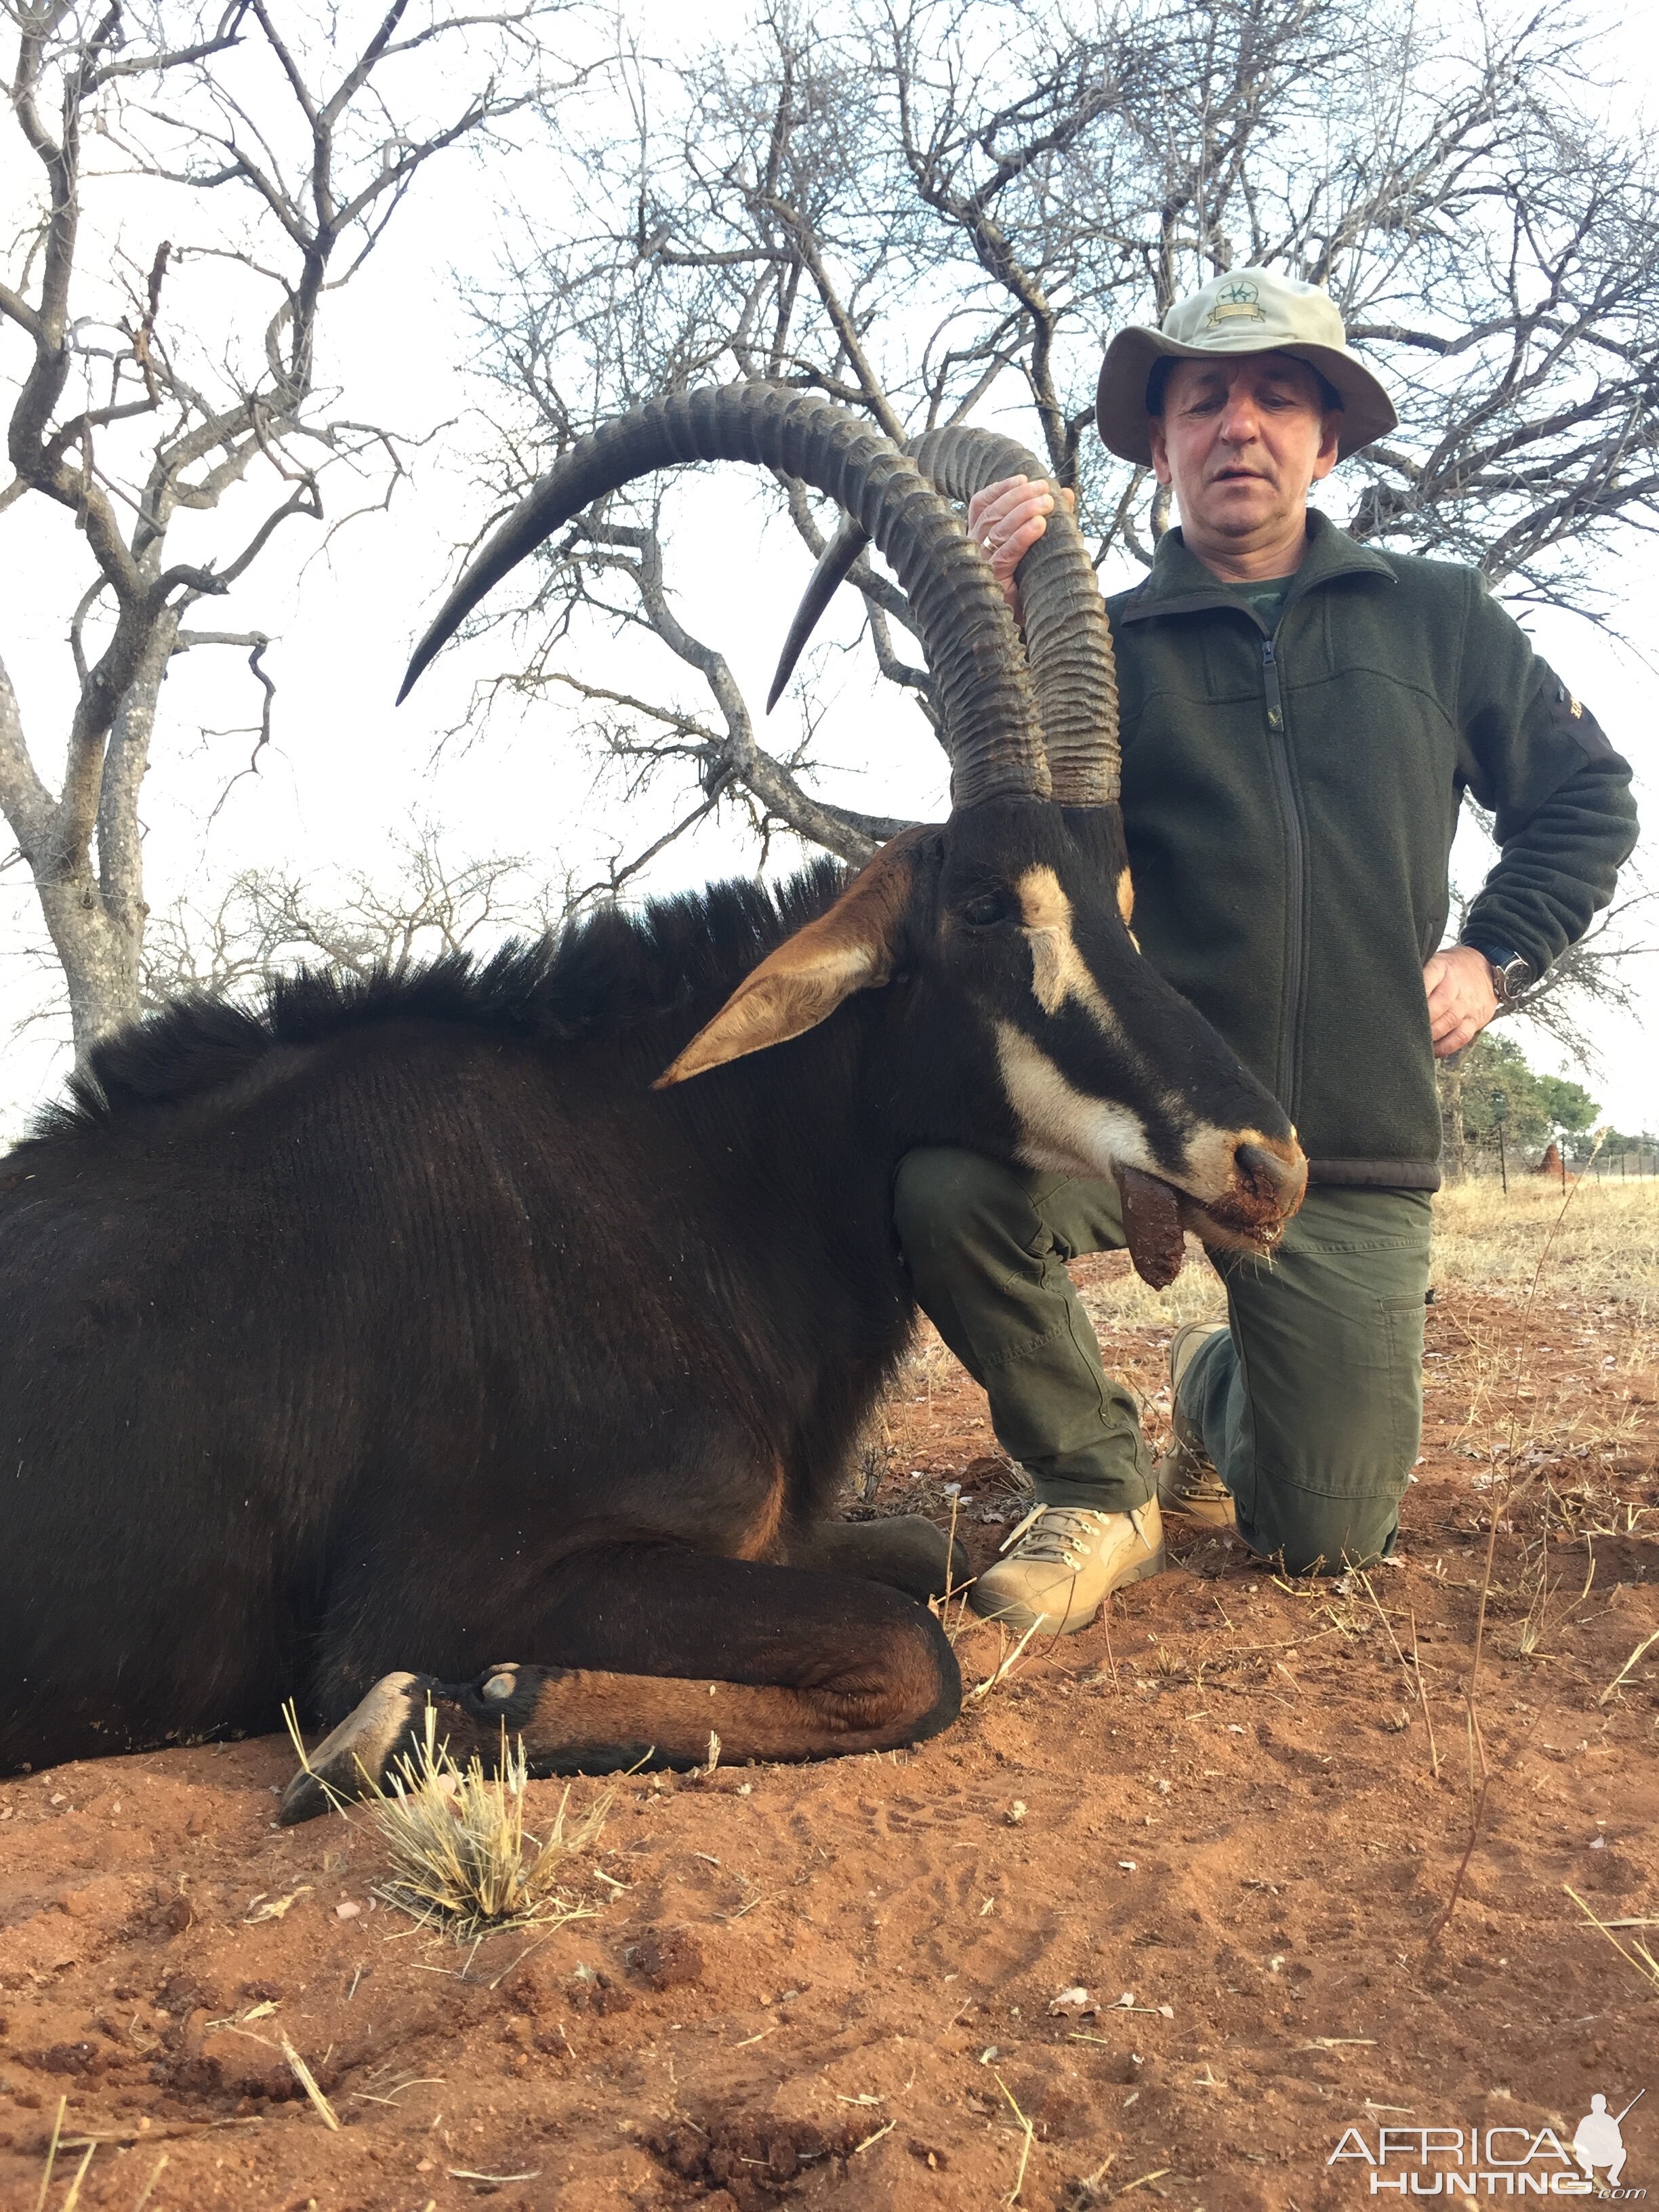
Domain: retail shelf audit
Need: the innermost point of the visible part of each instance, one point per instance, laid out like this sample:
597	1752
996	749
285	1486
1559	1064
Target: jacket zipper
1294	957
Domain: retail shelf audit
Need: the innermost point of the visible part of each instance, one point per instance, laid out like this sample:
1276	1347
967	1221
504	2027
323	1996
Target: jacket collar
1181	584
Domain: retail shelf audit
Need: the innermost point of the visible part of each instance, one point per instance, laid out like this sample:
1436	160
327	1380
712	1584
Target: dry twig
1006	1665
1013	2197
1646	1644
1637	1956
308	2080
1422	1691
155	2176
51	2152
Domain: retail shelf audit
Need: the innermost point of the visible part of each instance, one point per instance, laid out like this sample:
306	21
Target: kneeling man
1301	716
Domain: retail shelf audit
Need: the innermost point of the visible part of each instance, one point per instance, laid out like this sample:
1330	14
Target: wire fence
1639	1160
1502	1162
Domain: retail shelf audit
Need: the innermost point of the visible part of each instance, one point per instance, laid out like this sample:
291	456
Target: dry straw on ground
462	1858
1638	1954
1485	1239
1607	1246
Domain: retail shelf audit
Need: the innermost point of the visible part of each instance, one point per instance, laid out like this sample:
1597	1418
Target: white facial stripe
1062	1130
1059	971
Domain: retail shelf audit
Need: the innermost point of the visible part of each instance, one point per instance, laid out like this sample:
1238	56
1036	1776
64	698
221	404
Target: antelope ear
851	948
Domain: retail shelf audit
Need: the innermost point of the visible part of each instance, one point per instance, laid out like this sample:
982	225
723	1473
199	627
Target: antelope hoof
906	1551
350	1760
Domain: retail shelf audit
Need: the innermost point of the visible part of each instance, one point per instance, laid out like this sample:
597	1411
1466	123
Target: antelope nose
1270	1177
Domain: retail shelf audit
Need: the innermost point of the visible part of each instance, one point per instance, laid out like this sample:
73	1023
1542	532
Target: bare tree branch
264	922
932	210
310	141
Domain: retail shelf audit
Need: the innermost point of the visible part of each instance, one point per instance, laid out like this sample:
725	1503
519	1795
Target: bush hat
1246	310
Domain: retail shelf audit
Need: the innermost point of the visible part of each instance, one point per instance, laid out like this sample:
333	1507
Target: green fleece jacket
1289	801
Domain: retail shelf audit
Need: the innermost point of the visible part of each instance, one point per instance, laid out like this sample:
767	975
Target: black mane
594	979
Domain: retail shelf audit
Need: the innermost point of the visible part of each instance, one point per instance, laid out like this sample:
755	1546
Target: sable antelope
513	1324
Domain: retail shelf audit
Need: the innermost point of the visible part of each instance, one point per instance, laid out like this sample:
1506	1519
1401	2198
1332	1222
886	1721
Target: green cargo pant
1310	1405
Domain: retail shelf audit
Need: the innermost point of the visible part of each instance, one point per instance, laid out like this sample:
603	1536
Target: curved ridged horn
1067	637
981	685
835	564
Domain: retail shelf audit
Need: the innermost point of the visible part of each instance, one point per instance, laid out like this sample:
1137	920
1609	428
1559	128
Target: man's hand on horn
1005	520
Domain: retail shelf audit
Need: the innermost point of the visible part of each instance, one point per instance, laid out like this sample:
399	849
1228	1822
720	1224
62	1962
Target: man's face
1241	441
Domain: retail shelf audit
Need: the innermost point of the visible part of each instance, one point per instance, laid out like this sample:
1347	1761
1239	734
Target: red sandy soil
1215	1812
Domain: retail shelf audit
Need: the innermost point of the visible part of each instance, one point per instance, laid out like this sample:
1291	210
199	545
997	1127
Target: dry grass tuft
461	1855
460	1852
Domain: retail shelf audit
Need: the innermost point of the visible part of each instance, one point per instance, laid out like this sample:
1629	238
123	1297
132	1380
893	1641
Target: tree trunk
93	908
1451	1119
100	960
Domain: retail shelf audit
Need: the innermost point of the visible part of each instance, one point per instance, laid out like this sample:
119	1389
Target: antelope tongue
1151	1227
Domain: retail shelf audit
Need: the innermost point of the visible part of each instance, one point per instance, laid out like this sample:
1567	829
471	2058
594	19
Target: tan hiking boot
1187	1479
1061	1564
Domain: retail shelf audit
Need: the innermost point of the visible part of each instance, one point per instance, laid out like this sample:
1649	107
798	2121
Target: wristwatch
1510	973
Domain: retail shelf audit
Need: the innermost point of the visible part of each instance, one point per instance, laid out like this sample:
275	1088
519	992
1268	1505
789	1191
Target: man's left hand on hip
1461	999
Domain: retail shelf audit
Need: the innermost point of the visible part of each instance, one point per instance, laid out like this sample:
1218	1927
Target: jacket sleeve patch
1564	716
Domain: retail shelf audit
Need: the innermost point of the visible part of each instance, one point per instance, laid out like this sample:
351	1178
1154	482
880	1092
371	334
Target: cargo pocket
1403	1320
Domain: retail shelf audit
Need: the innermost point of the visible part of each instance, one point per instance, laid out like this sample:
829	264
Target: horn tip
419	661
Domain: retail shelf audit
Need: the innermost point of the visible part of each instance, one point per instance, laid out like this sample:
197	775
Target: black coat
1290	803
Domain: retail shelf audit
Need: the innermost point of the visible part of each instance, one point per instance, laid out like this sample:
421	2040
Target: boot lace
1064	1535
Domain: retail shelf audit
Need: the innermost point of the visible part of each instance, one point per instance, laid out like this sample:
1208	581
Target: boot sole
1154	1565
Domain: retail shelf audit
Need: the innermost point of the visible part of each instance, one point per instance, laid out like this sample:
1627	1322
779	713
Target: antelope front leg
779	1663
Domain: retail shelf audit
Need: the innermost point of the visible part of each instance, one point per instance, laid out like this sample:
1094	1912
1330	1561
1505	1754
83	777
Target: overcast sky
346	771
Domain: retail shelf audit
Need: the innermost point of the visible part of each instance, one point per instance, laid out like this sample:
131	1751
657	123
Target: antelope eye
985	912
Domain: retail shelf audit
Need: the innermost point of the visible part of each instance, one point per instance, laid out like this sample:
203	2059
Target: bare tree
928	209
426	904
1594	975
277	156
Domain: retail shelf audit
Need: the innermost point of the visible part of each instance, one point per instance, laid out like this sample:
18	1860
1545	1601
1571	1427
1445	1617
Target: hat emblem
1238	301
